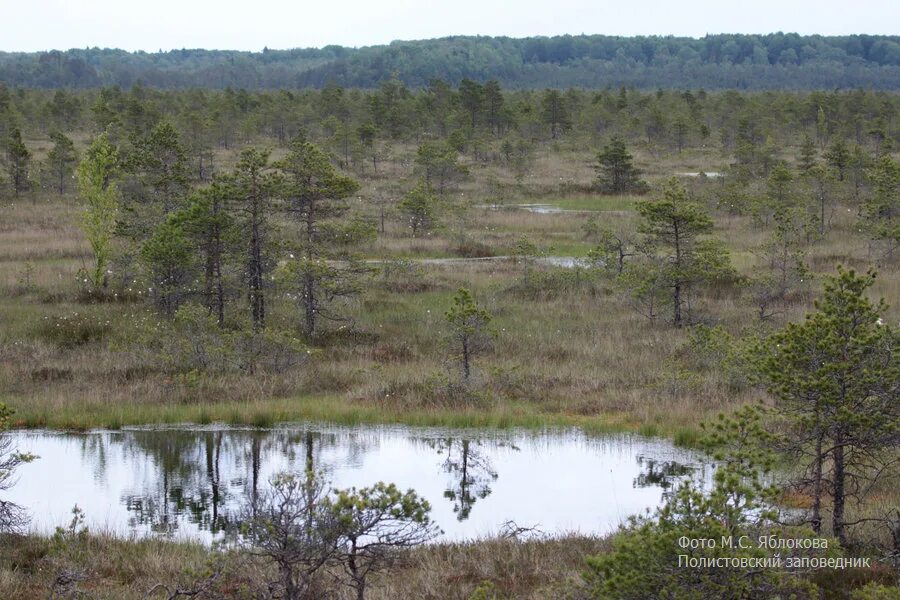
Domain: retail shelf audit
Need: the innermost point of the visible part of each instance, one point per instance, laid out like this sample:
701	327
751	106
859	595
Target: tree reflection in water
185	477
186	482
663	474
471	470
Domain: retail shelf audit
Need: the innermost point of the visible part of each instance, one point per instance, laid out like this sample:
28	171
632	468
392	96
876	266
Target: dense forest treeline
773	61
484	121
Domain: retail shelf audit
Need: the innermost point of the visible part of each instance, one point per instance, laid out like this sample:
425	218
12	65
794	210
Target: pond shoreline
330	410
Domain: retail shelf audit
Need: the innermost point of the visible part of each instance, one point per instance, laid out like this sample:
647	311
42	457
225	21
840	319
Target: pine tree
680	130
322	271
857	166
673	227
779	185
471	98
210	229
469	330
418	208
158	164
838	157
170	265
783	258
808	155
555	113
881	213
439	164
821	189
18	159
494	106
836	380
821	127
252	189
616	173
642	562
747	153
61	161
367	134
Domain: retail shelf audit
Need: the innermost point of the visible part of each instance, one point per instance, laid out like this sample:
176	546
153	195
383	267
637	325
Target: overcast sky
29	25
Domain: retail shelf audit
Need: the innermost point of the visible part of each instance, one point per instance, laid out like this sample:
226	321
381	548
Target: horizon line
266	48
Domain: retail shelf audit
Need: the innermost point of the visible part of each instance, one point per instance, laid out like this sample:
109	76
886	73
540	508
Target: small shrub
553	283
485	591
25	283
51	374
392	352
678	382
472	249
731	359
73	330
405	277
193	344
345	335
443	391
26	554
508	382
875	591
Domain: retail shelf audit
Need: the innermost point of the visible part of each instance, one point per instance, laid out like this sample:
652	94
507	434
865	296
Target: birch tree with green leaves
97	187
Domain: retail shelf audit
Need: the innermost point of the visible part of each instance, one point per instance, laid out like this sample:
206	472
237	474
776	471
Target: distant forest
774	61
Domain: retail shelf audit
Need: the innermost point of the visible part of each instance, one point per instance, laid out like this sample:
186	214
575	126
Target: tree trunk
359	582
257	300
837	522
676	300
466	369
676	293
822	214
257	303
220	291
209	281
817	489
309	304
290	589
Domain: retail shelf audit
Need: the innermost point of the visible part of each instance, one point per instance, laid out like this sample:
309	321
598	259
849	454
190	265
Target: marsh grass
264	413
565	354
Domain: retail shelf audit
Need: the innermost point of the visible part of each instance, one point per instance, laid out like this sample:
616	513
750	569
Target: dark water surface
192	482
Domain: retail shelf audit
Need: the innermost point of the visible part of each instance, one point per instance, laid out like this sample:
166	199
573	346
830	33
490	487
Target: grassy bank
119	569
332	409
